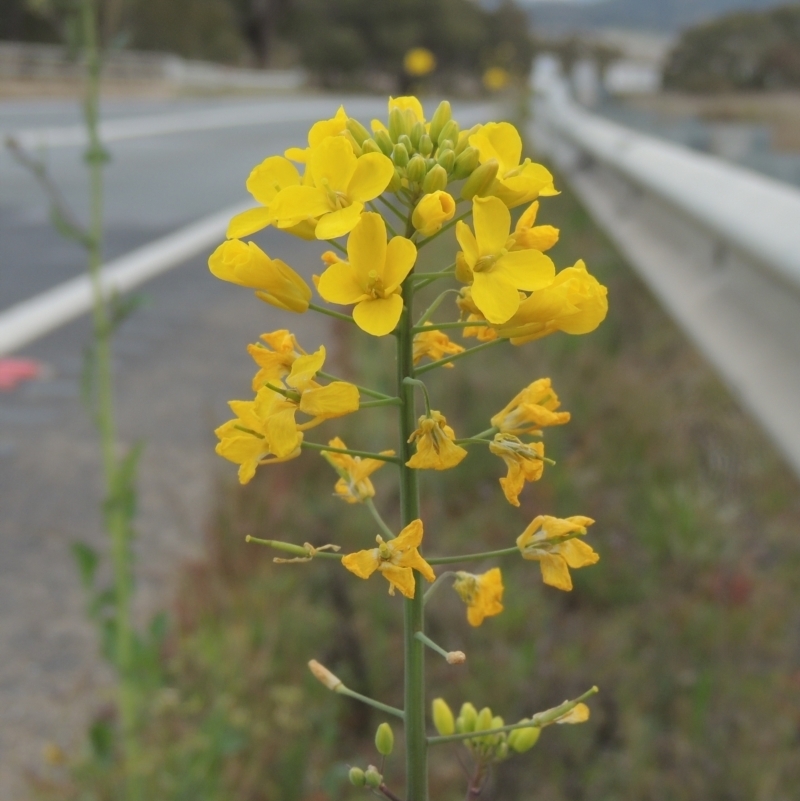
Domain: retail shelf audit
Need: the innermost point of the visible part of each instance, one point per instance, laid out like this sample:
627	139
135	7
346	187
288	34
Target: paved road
177	362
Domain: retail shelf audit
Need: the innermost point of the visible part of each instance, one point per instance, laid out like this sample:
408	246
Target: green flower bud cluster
425	160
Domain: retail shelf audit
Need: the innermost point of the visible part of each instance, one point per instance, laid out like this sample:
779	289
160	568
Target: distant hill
663	16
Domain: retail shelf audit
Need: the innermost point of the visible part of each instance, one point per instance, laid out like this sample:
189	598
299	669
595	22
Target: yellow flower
516	182
528	235
419	61
318	132
578	714
483	333
247	265
482	594
335	188
530	409
575	303
397	559
372	276
551	542
353	485
525	462
496	78
436	449
264	183
275	360
408	104
497	274
257	432
432	212
435	345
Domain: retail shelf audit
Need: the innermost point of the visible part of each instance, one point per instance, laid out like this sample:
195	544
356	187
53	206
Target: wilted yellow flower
483	594
258	432
318	132
275	359
436	449
335	188
531	409
516	182
432	212
549	541
435	345
525	462
578	714
496	78
397	559
528	235
419	61
575	303
247	265
372	276
483	333
353	485
264	183
497	274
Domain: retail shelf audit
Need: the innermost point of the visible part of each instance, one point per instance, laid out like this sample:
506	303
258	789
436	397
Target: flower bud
480	180
432	212
450	131
417	129
396	183
484	720
425	145
400	155
358	131
463	138
467	718
397	124
440	118
497	723
447	159
466	162
357	778
324	676
416	170
405	141
501	752
370	146
384	142
435	180
372	778
355	145
443	717
384	739
522	740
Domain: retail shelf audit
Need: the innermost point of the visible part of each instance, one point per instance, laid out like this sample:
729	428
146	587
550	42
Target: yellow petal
408	102
499	141
378	316
497	299
555	572
338	223
577	553
297	203
366	245
362	563
332	162
527	269
269	177
579	714
282	433
468	243
416	562
409	537
339	284
248	222
371	176
305	367
334	400
400	577
492	222
527	218
401	253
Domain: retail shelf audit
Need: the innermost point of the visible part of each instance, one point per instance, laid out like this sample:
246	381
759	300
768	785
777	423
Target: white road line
37	316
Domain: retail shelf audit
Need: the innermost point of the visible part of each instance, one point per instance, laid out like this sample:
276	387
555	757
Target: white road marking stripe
33	318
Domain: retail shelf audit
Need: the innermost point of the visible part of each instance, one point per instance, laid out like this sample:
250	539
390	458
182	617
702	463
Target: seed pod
417	129
481	180
370	146
384	142
373	778
447	159
397	124
466	162
435	180
357	778
443	717
449	131
384	739
358	131
425	145
440	118
522	740
416	169
400	155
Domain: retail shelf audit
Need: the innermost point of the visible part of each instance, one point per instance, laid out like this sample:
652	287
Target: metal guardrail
719	245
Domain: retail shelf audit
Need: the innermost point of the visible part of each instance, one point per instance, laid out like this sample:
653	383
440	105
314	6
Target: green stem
330	313
378	519
415	382
391	710
440	579
539	720
296	550
318	446
386	203
373	393
340	248
420	326
470	557
431	276
445	228
381	402
425	281
413	615
444	326
448	359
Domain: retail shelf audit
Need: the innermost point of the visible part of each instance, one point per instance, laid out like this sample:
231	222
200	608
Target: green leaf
87	560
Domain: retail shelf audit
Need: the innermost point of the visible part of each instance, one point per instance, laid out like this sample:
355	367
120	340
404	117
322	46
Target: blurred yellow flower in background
353	485
496	78
419	61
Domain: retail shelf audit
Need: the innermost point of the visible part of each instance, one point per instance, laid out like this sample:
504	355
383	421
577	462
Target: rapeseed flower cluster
373	196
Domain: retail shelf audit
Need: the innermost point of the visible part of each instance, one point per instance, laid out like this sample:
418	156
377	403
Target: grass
688	624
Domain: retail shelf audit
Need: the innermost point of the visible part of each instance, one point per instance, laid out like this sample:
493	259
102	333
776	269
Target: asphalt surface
177	361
